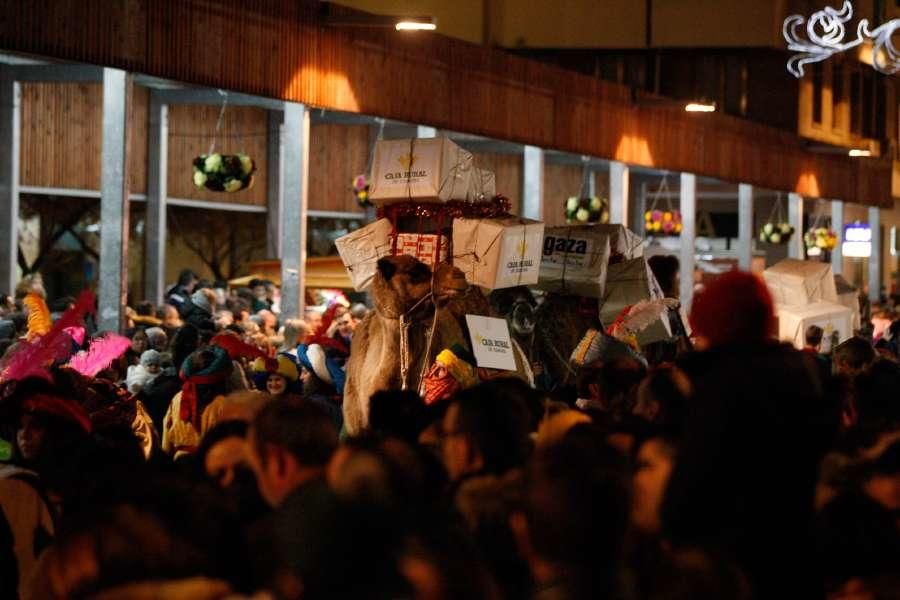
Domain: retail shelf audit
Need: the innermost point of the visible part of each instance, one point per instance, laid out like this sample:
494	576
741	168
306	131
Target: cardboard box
831	317
361	249
427	247
628	283
421	169
622	241
483	186
799	282
574	260
498	253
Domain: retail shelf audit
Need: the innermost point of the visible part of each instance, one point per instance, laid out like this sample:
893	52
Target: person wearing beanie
194	410
761	419
735	308
278	376
141	374
322	379
198	310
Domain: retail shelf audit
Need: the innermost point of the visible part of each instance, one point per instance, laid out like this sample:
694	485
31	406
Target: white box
574	260
361	249
421	169
799	282
793	322
498	253
628	283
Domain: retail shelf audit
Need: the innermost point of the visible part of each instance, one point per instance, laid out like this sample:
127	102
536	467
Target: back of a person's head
855	353
294	331
302	428
857	539
186	277
665	268
496	420
397	413
735	308
878	396
814	335
662	397
576	505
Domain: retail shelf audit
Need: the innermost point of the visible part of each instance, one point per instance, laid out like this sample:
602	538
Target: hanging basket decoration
662	222
776	233
821	238
587	210
361	191
224	172
776	230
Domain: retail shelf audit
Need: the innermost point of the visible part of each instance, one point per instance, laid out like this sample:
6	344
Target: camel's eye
420	273
386	268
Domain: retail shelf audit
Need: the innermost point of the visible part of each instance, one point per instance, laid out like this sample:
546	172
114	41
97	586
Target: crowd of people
211	462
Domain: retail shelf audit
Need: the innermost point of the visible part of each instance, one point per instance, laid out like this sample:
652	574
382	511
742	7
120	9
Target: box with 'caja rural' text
498	253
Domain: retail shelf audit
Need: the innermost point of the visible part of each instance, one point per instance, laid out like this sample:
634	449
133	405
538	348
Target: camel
401	288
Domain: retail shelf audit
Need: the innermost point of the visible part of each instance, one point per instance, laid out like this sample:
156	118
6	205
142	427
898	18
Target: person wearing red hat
760	420
734	308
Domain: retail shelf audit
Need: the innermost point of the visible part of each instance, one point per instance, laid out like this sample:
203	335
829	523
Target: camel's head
402	281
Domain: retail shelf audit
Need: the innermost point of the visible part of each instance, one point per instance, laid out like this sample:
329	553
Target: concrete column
533	183
745	226
795	218
10	130
837	224
114	199
618	193
875	258
294	208
157	192
274	184
688	202
590	183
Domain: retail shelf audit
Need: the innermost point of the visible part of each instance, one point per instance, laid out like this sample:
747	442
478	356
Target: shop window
323	230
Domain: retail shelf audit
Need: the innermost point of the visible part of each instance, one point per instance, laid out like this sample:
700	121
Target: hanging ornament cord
819	221
378	137
585	178
659	194
212	144
776	217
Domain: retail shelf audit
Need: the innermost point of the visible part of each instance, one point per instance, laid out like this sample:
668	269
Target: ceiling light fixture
700	107
407	25
859	152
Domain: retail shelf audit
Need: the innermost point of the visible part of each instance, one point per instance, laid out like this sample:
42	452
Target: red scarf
188	409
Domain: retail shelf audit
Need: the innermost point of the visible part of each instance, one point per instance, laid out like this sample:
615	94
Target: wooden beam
273	49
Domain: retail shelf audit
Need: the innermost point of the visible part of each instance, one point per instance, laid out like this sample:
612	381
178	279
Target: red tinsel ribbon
188	410
499	206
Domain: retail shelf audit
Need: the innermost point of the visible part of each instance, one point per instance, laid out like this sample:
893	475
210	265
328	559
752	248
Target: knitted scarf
217	372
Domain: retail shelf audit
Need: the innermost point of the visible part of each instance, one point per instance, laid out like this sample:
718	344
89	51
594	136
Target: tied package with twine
427	170
575	260
361	249
628	283
498	253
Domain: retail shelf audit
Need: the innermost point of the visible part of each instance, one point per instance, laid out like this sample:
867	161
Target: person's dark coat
743	486
197	316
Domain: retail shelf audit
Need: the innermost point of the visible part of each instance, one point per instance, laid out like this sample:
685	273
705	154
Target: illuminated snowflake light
825	33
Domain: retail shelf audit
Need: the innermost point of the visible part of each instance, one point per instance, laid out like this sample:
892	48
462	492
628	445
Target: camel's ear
386	268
